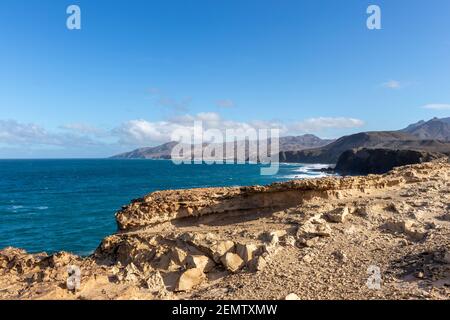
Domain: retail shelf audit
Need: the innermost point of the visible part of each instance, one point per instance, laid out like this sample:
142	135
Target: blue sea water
54	205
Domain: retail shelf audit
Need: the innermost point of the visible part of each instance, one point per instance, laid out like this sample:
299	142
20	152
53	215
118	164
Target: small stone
338	215
232	261
292	296
189	279
278	233
307	258
290	241
340	256
309	242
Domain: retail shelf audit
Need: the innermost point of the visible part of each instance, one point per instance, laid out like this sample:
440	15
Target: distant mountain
294	143
438	129
306	141
159	152
381	139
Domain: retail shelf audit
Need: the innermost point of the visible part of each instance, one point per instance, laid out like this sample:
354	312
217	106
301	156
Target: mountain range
432	136
438	129
289	143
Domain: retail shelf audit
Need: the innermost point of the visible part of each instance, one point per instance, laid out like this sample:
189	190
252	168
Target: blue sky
136	69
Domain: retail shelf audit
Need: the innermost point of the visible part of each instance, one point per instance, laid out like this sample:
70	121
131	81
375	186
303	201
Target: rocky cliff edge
379	236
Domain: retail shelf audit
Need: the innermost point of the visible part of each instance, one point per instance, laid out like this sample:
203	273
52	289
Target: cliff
376	161
393	140
317	239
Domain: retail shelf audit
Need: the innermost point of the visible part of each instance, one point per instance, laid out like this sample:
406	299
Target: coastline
237	235
78	192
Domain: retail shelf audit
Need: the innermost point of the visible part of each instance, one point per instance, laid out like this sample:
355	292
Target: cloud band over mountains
142	132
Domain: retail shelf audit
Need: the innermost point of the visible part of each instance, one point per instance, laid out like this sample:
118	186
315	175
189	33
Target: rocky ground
311	239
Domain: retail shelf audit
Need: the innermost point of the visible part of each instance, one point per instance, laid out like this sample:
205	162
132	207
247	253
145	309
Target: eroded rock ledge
312	239
164	206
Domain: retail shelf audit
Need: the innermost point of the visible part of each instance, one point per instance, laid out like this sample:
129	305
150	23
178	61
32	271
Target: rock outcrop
263	242
377	161
393	140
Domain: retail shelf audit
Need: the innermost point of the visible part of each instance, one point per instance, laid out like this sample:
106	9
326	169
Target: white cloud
322	123
437	106
141	132
392	84
15	133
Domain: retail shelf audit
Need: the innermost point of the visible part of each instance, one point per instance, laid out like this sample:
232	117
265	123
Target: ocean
69	205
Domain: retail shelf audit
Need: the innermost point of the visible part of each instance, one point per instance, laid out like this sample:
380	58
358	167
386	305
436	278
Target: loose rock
200	262
232	262
189	279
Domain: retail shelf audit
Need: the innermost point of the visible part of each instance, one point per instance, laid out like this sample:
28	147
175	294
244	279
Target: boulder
273	237
200	262
257	264
179	256
414	231
131	273
219	249
232	262
409	228
314	227
155	282
189	279
338	215
246	251
208	244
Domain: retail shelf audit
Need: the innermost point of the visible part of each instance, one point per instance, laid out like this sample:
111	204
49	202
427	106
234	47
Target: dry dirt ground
375	237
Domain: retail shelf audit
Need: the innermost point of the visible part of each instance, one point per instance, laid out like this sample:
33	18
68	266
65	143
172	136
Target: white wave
304	176
308	171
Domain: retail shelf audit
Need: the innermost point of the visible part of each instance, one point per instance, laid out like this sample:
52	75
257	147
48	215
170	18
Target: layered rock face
378	161
309	239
